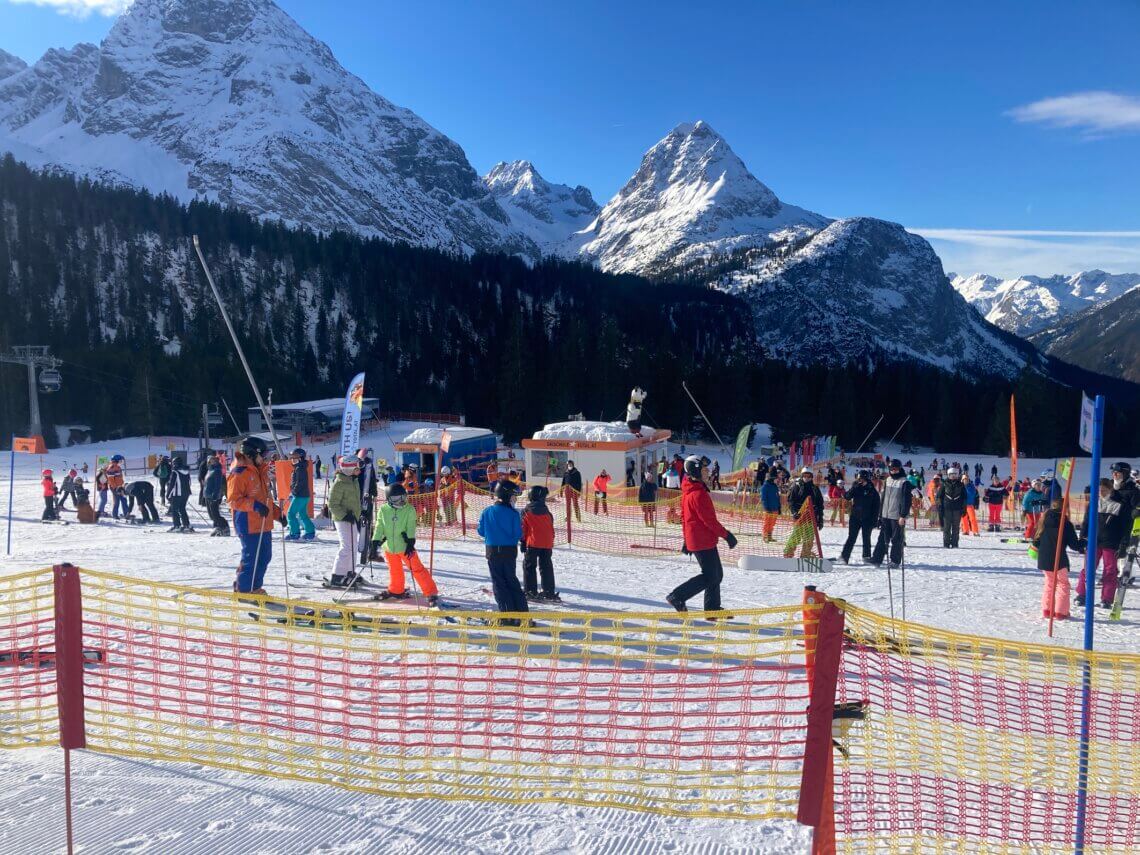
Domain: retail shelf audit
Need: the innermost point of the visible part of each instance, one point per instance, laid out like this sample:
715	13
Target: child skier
115	484
178	492
770	502
298	513
395	530
214	490
701	531
601	488
501	530
49	491
1114	524
84	513
647	498
995	500
344	511
1033	504
537	545
1055	594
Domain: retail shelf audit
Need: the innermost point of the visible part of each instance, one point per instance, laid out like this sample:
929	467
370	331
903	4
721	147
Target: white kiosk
593	446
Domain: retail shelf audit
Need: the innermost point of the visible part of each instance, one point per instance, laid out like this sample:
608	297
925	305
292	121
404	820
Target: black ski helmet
299	452
896	464
505	492
395	495
693	466
253	445
537	493
1123	468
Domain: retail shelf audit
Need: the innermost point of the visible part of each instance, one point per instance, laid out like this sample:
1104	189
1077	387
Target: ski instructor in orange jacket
701	531
247	491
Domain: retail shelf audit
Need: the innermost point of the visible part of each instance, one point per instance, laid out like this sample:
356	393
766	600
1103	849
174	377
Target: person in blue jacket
501	529
770	502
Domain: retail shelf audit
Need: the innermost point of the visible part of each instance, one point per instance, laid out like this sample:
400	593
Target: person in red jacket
537	546
601	487
48	484
701	531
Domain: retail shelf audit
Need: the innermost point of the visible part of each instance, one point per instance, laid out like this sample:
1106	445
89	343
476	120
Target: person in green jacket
396	532
344	509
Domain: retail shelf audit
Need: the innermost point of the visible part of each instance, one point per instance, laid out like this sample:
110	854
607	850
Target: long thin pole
897	432
703	416
871	431
67	799
11	485
237	427
1090	588
253	384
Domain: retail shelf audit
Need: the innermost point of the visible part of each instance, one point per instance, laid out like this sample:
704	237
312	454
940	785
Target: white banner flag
1086	436
350	422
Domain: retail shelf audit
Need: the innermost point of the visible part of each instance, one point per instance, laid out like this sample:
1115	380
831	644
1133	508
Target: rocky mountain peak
544	211
10	64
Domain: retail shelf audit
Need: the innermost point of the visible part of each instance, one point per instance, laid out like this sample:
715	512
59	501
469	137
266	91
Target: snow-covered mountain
691	198
863	291
231	100
546	213
1031	303
9	64
1101	338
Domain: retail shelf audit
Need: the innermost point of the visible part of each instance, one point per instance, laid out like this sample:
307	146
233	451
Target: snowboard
801	565
1125	579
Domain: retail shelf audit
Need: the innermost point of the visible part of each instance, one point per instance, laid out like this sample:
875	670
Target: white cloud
1094	113
82	8
1017	252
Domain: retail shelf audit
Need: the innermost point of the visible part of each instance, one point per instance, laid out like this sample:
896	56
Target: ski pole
902	570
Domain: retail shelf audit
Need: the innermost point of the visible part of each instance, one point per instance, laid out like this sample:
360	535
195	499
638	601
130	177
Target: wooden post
69	675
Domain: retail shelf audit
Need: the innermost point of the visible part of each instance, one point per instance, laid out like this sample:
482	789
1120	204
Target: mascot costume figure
633	411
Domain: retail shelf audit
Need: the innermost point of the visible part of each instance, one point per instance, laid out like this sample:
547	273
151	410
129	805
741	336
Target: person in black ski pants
864	499
143	493
894	508
178	491
213	491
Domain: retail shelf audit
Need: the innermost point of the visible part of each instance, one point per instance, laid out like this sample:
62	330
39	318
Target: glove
522	547
411	547
685	549
1083	545
260	509
730	539
374	551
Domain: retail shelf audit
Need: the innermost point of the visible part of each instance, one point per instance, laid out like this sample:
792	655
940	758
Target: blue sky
991	127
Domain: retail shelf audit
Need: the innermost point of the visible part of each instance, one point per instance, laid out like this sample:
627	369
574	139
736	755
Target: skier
178	492
84	513
770	502
49	492
344	511
700	532
647	498
214	490
1055	595
143	493
803	531
995	500
101	489
67	489
537	546
247	490
864	501
951	500
317	468
161	471
448	482
501	530
115	484
714	475
1033	504
601	487
970	520
894	507
1129	494
396	533
298	513
836	493
633	410
1114	530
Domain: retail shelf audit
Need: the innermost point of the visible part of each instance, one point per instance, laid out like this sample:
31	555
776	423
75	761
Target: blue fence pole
1090	608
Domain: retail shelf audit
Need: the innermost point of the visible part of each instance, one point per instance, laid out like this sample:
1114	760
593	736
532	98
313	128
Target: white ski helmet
446	470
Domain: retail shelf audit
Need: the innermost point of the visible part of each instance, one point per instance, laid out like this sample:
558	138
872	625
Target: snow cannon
633	410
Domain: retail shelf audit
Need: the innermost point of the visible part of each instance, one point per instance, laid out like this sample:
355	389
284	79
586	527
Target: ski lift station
470	449
593	446
322	416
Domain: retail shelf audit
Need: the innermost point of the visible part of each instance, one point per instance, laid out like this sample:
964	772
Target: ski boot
552	597
388	595
308	537
292	537
676	603
433	601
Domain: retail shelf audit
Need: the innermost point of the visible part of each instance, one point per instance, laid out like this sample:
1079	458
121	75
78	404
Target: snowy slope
869	290
231	100
1030	303
692	197
546	213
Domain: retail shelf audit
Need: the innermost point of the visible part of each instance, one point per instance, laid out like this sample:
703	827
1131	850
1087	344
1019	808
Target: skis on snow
1125	579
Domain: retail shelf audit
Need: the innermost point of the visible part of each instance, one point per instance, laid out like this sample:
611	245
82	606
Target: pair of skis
1125	579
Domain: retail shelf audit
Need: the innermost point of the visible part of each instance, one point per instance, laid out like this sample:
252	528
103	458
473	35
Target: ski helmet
505	492
806	471
395	495
693	466
446	470
865	474
953	472
298	452
72	472
349	465
117	458
78	481
46	473
896	463
537	493
1123	468
252	446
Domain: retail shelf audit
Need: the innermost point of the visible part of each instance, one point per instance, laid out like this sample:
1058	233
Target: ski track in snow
127	805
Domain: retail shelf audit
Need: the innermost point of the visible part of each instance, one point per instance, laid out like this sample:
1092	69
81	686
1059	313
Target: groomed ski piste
129	805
